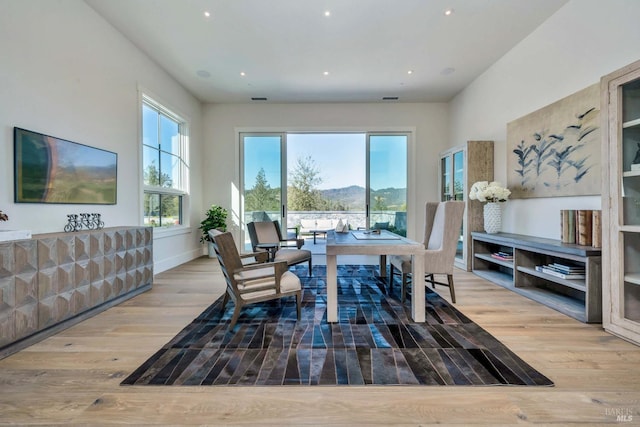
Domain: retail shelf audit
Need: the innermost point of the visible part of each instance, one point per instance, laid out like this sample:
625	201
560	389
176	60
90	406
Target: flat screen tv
53	170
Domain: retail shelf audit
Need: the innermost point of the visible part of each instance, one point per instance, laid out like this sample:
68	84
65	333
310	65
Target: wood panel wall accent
53	281
479	168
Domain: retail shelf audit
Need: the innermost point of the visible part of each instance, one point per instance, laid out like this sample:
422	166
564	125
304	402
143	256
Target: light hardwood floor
73	377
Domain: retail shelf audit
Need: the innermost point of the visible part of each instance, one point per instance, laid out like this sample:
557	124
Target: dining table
373	242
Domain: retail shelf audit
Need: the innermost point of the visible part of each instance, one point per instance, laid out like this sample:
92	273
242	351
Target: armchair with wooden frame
248	284
265	235
291	239
442	231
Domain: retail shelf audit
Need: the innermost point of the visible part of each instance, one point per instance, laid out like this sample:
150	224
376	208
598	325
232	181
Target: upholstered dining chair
441	233
248	284
265	235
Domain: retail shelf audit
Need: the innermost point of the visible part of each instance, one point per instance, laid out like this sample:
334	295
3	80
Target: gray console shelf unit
578	298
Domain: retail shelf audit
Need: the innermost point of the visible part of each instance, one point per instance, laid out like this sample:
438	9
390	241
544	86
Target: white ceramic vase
492	217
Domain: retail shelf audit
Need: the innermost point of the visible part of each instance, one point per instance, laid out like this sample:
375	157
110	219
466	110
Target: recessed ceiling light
203	73
258	98
448	12
242	73
389	98
410	72
327	13
207	14
326	73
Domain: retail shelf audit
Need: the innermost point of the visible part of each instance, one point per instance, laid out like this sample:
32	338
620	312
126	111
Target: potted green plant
216	219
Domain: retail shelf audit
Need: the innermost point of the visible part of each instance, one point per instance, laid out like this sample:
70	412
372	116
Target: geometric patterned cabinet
55	280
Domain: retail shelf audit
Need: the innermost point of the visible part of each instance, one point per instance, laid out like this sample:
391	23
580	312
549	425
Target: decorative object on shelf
86	221
555	151
492	193
73	224
3	216
584	227
216	219
635	164
492	217
568	225
342	227
485	191
581	226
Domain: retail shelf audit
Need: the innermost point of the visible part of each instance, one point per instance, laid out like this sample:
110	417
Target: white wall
65	72
583	41
429	121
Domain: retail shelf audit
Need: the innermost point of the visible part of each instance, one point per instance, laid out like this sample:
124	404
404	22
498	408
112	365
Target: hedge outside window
164	165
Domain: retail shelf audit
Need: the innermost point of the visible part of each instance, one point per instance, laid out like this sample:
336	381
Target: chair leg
310	267
391	272
224	301
299	304
403	288
430	278
236	314
451	288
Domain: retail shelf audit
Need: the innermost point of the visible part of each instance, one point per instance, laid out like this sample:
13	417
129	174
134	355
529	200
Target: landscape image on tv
53	170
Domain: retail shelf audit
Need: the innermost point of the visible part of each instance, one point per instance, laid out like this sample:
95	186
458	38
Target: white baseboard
174	261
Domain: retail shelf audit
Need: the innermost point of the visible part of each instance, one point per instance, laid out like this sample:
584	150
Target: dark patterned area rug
374	343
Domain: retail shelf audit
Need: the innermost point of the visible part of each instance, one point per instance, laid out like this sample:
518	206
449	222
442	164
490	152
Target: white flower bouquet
485	191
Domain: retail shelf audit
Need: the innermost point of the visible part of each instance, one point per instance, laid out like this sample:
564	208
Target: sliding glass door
387	182
303	179
262	178
326	179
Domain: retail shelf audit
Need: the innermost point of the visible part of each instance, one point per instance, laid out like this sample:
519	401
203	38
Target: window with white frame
165	165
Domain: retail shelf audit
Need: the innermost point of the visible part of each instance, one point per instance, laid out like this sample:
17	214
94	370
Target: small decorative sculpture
95	217
77	222
3	216
73	224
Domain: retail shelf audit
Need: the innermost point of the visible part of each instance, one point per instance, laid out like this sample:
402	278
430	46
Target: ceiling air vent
389	98
258	98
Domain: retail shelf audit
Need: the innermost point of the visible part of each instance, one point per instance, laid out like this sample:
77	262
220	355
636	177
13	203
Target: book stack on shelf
562	271
581	226
503	256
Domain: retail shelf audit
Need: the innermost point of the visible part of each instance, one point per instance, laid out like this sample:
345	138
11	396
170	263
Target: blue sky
340	158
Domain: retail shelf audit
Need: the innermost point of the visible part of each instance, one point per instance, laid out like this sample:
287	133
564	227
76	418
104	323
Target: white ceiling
285	46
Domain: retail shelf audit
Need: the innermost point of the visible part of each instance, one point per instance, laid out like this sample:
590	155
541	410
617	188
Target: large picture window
165	165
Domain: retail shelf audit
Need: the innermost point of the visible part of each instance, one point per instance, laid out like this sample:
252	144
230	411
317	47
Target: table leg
418	311
314	237
332	289
383	266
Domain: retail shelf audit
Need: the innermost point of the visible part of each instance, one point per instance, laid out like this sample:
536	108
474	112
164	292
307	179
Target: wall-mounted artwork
555	151
53	170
